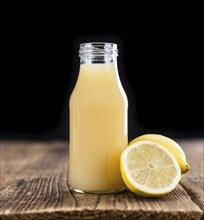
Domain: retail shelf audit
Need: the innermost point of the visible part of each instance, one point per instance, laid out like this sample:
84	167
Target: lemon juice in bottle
98	129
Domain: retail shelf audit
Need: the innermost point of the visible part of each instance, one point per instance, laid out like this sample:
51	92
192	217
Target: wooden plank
34	186
193	182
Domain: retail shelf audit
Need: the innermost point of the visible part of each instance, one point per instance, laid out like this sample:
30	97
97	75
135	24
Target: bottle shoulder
99	97
99	82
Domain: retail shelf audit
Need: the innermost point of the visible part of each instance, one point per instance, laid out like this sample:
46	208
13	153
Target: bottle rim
98	48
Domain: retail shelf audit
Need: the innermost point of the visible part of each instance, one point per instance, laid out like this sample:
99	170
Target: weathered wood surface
193	183
33	185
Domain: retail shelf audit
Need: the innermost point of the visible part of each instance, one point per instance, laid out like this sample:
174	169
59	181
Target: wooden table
34	186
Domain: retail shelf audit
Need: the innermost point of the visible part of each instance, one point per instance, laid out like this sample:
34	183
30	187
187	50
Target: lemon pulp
170	145
149	169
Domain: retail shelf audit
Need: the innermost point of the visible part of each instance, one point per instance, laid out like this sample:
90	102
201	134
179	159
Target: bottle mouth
98	49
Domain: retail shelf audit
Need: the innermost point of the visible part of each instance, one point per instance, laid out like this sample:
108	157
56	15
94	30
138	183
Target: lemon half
149	169
170	145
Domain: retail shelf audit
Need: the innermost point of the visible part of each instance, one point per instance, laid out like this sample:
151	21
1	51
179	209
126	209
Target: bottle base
99	192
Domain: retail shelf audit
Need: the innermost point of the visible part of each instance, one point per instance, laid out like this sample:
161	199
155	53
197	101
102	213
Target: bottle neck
94	59
98	52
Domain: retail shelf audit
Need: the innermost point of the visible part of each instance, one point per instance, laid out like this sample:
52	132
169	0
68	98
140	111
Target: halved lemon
170	145
149	169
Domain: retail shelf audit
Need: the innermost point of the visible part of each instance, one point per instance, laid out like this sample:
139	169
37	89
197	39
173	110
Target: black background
160	67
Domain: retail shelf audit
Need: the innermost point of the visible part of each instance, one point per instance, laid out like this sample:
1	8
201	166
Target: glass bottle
98	109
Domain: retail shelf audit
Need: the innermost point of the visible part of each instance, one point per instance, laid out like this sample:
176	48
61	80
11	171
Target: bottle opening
94	52
98	48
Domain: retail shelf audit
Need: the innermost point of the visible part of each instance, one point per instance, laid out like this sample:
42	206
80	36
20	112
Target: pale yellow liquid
98	129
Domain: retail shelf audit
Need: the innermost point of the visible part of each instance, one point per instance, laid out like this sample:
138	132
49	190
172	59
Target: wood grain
193	183
34	185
